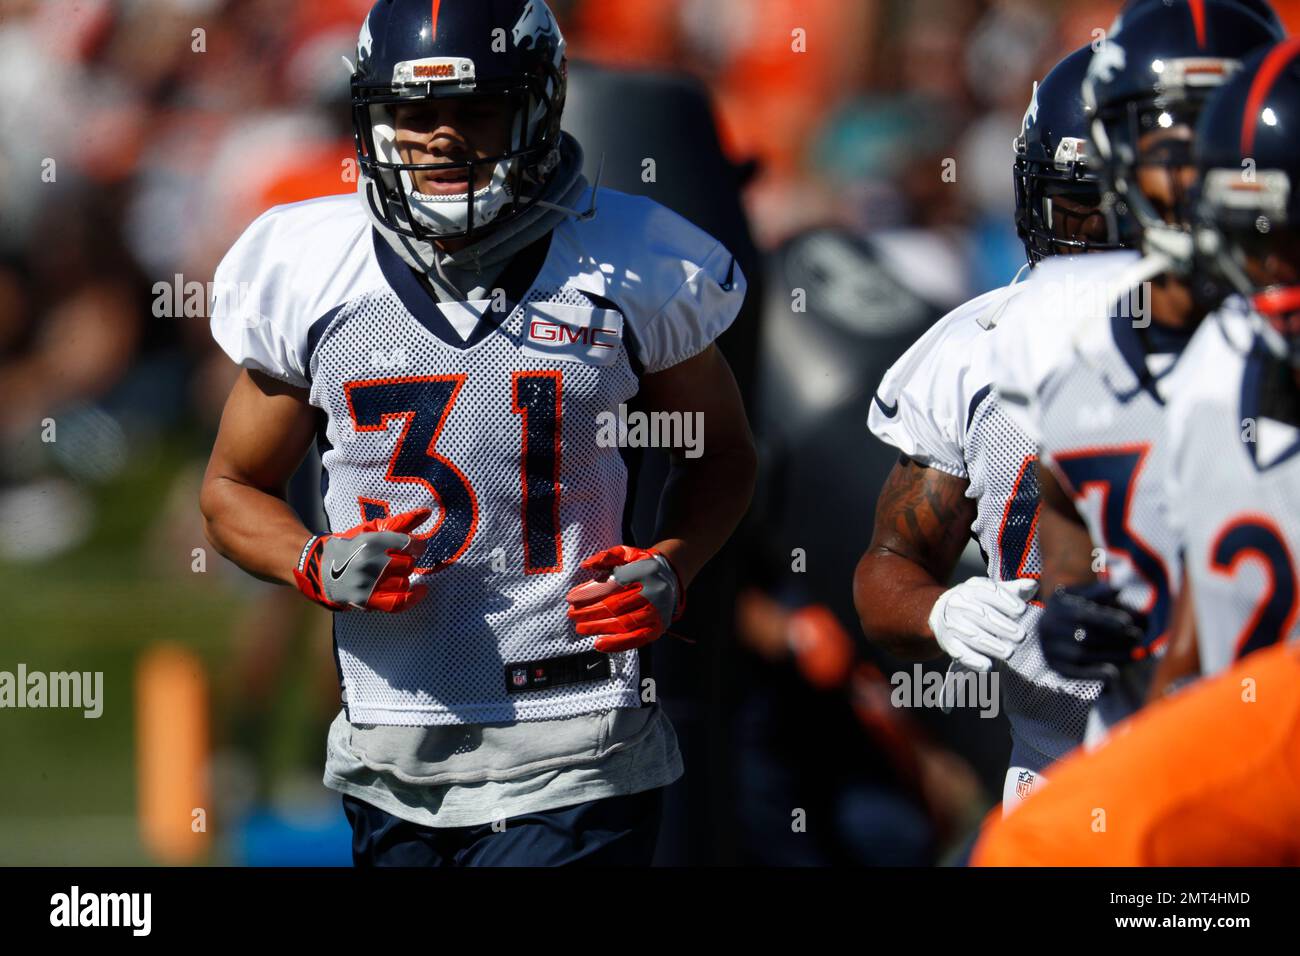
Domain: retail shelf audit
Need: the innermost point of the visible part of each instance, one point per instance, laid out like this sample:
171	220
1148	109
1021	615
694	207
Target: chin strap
591	211
991	320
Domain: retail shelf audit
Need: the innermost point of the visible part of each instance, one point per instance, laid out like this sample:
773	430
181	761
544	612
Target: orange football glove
367	568
633	604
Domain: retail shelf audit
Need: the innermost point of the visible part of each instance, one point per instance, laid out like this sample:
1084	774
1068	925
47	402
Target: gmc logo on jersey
439	71
541	330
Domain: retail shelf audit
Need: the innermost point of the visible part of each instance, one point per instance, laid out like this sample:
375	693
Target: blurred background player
1234	429
1096	377
504	683
967	470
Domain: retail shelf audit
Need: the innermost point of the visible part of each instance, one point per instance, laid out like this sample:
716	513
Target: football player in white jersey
462	340
1234	429
967	470
1090	351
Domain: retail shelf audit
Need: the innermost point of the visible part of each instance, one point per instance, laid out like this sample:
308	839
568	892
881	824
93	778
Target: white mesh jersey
936	406
1234	493
491	417
1093	389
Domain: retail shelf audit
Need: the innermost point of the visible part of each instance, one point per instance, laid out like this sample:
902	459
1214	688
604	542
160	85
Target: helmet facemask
513	179
1254	247
1127	136
1058	204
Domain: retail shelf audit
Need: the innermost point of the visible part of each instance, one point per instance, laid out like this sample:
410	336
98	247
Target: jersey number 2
1257	537
423	404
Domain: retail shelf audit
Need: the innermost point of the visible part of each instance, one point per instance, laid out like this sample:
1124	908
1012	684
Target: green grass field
70	793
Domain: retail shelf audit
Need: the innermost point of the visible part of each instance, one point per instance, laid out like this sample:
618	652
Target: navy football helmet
1261	8
1052	164
505	53
1249	198
1154	71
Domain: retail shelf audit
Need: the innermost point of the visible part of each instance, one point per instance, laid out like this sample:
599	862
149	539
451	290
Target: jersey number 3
1114	472
422	404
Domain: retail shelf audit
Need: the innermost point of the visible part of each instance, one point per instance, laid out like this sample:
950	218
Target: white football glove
981	620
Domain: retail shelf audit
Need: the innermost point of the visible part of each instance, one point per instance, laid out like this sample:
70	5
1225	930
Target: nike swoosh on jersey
890	410
730	284
337	572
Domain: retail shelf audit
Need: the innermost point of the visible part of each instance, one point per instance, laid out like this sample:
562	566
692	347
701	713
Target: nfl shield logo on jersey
1024	783
519	676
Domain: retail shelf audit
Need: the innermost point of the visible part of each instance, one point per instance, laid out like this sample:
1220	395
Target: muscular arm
1183	655
266	429
1063	538
923	521
704	497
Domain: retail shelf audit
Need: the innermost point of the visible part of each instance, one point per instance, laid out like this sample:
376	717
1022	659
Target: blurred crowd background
868	159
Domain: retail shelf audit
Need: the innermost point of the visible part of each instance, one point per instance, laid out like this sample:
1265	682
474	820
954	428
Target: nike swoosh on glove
1087	635
367	568
631	606
981	620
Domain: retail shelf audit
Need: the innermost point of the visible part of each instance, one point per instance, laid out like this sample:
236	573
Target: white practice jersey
935	405
1092	385
1234	492
496	414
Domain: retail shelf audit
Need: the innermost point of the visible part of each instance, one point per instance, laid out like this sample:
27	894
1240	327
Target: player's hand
980	620
1087	635
631	604
367	568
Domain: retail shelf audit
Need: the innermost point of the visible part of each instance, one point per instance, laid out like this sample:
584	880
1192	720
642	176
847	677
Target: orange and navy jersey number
537	396
1114	472
1258	538
423	405
1018	532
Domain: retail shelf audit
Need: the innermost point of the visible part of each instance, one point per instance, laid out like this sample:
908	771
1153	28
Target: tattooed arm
923	520
1063	539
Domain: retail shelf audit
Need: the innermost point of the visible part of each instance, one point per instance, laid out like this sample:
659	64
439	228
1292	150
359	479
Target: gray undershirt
470	775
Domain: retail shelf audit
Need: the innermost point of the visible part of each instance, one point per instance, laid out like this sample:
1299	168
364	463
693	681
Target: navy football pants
616	831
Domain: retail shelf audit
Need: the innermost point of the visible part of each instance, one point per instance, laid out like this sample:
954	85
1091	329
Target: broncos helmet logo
365	43
1031	114
535	25
1108	60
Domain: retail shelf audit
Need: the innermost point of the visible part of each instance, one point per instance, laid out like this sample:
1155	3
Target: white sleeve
921	405
700	310
1012	367
253	316
679	287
